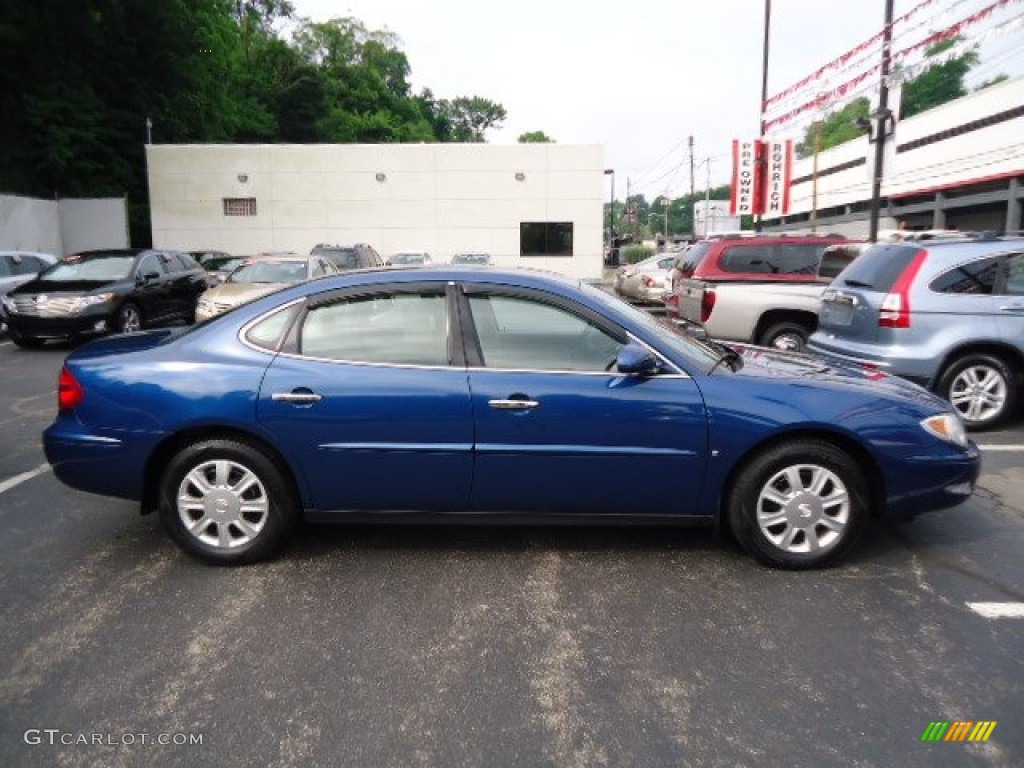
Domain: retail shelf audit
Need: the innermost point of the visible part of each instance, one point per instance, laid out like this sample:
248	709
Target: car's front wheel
799	505
226	502
982	388
129	319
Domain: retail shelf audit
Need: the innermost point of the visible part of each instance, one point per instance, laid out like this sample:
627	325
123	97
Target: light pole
611	209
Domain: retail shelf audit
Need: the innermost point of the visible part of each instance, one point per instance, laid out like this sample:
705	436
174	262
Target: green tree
471	116
535	137
940	84
837	128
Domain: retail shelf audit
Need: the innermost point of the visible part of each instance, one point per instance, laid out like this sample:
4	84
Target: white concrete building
535	205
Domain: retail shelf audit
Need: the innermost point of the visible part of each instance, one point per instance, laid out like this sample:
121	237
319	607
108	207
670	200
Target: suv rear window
773	259
878	267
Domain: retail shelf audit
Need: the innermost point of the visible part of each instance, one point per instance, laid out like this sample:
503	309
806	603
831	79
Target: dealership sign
761	177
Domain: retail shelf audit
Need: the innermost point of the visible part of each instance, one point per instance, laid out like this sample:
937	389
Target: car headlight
8	303
947	426
90	301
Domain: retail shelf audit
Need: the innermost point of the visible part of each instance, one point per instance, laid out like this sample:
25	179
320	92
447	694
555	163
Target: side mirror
635	360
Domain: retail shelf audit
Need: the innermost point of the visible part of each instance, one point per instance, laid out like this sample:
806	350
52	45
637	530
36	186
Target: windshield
408	258
222	263
270	272
669	335
342	258
106	267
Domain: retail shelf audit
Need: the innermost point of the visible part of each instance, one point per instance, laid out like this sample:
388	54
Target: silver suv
948	314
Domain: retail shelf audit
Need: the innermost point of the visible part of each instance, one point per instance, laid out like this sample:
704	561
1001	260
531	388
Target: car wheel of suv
791	337
226	503
799	505
25	342
982	388
129	319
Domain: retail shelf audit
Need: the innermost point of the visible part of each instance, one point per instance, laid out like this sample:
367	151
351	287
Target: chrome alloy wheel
978	393
804	508
223	504
131	320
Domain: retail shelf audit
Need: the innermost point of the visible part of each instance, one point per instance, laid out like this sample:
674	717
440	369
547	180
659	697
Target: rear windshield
687	261
878	267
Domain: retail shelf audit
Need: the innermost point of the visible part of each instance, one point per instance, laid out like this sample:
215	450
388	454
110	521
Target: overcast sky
637	76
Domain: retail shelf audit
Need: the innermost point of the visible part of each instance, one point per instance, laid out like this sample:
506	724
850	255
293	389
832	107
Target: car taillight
69	391
894	311
707	305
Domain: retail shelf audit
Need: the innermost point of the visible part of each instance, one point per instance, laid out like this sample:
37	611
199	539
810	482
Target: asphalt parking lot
471	646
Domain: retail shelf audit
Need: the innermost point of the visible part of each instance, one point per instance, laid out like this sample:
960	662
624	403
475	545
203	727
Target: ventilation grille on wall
239	206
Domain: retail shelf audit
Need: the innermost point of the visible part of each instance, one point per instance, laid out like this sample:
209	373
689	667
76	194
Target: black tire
982	387
25	342
787	336
223	533
129	318
762	525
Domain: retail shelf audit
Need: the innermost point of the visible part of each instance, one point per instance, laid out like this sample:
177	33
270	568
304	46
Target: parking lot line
6	485
998	610
1001	447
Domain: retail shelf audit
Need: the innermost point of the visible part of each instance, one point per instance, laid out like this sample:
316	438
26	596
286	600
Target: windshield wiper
728	355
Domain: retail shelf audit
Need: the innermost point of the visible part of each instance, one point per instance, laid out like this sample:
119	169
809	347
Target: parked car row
945	311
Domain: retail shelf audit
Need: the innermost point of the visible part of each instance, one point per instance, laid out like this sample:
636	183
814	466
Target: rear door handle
513	405
297	397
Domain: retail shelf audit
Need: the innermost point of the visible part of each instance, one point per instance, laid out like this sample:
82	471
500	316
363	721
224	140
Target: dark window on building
239	206
545	238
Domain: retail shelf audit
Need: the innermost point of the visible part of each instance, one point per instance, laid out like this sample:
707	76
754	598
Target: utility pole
881	117
764	83
693	190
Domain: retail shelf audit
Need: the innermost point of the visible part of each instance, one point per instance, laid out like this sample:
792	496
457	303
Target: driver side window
150	264
524	334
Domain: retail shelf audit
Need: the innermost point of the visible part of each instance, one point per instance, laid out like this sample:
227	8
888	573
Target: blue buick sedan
445	393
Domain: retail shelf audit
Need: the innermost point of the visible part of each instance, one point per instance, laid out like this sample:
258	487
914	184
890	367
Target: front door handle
513	405
297	397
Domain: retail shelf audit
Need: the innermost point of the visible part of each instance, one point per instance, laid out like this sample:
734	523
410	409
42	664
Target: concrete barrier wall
62	226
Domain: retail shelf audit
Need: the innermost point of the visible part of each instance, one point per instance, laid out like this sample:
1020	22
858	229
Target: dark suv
98	291
948	314
345	257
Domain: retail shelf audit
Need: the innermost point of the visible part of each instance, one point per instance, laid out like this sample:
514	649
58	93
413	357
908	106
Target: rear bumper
891	359
100	464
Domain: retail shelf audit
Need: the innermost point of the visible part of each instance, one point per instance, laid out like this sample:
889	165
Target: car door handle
297	397
513	405
1019	307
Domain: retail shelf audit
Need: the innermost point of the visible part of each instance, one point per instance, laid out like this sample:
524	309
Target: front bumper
91	321
929	483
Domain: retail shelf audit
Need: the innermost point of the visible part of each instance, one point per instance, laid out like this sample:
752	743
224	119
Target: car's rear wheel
129	319
799	505
982	388
226	502
787	336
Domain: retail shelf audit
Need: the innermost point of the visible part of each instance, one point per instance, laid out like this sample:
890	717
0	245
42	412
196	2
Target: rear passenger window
1014	275
976	277
748	258
688	261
